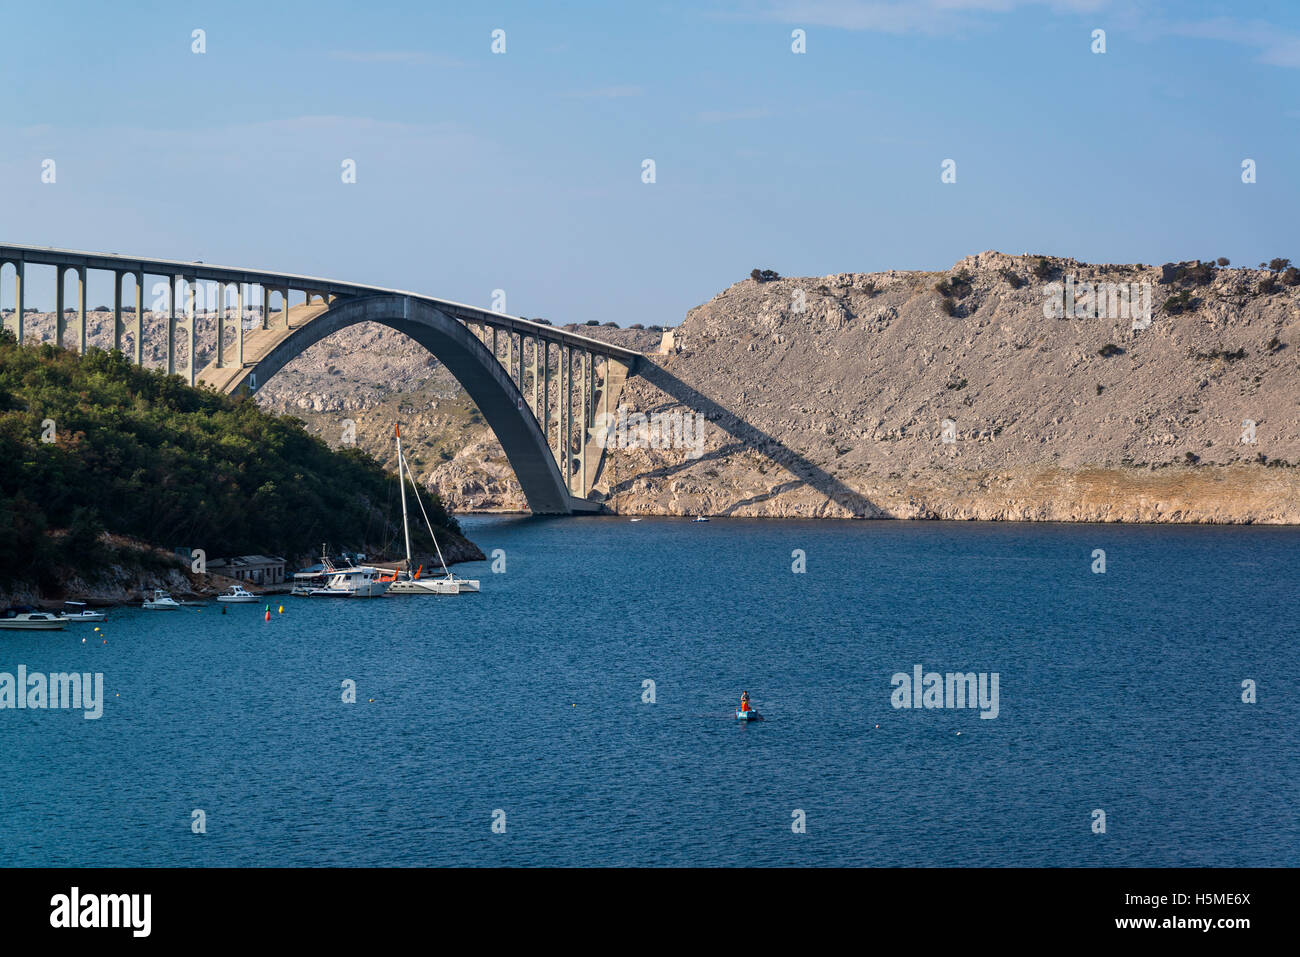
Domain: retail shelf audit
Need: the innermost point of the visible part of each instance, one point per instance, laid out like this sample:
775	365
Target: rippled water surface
1118	691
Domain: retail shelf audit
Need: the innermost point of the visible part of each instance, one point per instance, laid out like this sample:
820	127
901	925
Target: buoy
268	614
281	611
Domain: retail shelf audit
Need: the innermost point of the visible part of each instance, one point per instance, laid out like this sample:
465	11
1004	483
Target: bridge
538	387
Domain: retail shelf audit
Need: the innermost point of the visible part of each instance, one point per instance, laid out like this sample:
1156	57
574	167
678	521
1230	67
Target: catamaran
407	583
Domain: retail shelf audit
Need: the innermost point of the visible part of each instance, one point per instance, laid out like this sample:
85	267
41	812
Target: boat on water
161	601
404	581
328	580
699	518
26	618
77	611
748	716
237	595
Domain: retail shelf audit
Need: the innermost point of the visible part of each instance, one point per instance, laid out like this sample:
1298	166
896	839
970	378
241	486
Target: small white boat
237	595
748	716
162	601
33	621
634	519
77	611
699	518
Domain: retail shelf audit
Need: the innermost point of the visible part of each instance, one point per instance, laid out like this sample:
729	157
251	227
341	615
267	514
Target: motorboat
404	582
77	611
237	595
748	716
18	620
328	580
699	518
162	601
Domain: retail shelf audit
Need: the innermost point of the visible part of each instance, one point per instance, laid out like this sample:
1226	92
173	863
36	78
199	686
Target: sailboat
412	584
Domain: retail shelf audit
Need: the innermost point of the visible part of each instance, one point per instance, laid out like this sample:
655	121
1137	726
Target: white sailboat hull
434	586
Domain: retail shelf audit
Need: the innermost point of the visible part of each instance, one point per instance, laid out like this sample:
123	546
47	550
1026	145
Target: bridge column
81	309
18	300
546	390
189	333
535	410
171	325
566	391
221	325
60	323
139	318
584	370
266	308
286	307
117	309
239	334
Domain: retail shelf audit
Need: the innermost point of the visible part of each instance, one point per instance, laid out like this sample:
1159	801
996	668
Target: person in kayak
744	701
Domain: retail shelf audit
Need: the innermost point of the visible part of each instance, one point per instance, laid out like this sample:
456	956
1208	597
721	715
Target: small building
258	569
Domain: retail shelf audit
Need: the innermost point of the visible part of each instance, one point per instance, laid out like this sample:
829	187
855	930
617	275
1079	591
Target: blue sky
522	171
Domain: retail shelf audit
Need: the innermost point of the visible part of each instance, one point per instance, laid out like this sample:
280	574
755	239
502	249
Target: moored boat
32	621
77	611
328	580
237	595
161	601
404	582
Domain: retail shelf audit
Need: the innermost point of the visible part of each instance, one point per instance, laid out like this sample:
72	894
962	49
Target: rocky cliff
998	389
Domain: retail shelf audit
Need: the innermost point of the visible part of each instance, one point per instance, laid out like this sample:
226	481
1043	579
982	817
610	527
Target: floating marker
268	614
281	611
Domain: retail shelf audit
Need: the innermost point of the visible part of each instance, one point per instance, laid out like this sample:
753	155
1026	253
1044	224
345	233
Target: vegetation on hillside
92	443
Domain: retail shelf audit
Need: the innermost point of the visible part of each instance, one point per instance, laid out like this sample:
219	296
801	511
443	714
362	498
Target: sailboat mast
427	523
401	483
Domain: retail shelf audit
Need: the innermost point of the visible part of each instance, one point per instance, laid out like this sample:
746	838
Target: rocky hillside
837	408
828	397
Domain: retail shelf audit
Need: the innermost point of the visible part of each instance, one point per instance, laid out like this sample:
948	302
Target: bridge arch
488	383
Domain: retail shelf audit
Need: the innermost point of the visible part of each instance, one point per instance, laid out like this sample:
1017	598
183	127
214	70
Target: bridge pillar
566	421
18	300
117	309
139	318
584	370
60	322
171	324
532	369
81	310
191	322
239	333
546	392
221	325
266	308
285	311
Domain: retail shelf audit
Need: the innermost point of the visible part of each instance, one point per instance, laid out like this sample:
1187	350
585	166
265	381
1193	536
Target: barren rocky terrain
827	397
